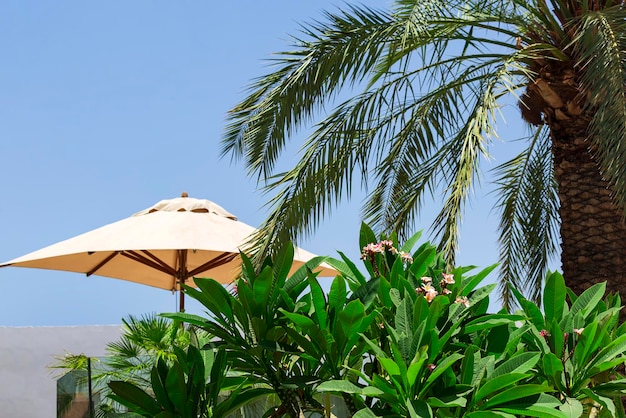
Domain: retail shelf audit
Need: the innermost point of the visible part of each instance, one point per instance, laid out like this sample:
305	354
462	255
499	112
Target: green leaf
447	402
496	384
615	348
365	413
488	414
319	302
419	409
470	283
588	300
410	242
445	363
176	387
554	297
337	294
213	296
490	321
135	396
347	268
351	316
553	368
572	408
282	263
158	383
515	393
366	235
602	400
340	386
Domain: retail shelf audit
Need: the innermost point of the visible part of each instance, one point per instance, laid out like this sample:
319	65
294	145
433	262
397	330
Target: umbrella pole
181	301
182	277
91	409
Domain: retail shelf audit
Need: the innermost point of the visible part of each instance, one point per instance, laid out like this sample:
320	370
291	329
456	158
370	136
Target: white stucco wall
27	384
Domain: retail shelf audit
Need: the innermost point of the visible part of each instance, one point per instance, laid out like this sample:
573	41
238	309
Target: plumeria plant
406	336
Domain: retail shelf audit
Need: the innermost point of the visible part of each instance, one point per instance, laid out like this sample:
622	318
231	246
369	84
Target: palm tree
427	81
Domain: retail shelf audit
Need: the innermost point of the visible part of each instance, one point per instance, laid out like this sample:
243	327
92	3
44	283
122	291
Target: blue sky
109	107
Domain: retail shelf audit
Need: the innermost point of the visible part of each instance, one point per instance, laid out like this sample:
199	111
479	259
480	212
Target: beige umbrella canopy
162	246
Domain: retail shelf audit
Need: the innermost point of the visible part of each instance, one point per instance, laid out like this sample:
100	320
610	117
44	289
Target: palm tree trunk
593	231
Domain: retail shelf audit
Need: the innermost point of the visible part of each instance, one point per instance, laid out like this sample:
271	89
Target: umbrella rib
102	263
166	268
133	255
216	262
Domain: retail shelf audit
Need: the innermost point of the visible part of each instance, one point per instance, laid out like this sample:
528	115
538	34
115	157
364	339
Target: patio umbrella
162	246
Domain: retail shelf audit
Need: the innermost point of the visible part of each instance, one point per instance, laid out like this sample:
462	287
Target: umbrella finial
184	194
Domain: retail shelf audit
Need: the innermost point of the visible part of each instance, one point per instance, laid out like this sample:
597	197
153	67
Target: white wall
27	384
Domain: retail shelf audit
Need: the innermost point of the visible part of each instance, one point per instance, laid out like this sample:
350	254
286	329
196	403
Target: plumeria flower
428	287
387	244
463	301
446	291
429	292
447	278
406	257
544	333
578	331
426	279
430	295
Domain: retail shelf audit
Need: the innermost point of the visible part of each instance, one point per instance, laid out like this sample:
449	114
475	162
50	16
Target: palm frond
338	52
529	219
601	48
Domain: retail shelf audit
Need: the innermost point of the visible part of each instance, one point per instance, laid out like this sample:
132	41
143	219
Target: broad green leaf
158	384
587	344
347	268
480	294
553	368
588	300
421	260
467	364
410	242
135	396
295	285
176	387
262	289
445	363
319	302
366	235
572	408
416	366
419	409
365	413
341	386
538	411
497	384
488	414
337	294
447	402
554	297
490	321
606	402
282	263
390	366
617	347
470	283
515	393
213	296
351	316
403	318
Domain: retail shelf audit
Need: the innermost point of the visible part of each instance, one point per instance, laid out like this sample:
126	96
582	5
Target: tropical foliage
427	82
409	338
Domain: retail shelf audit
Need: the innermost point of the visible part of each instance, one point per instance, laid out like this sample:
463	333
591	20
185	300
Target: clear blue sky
109	107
